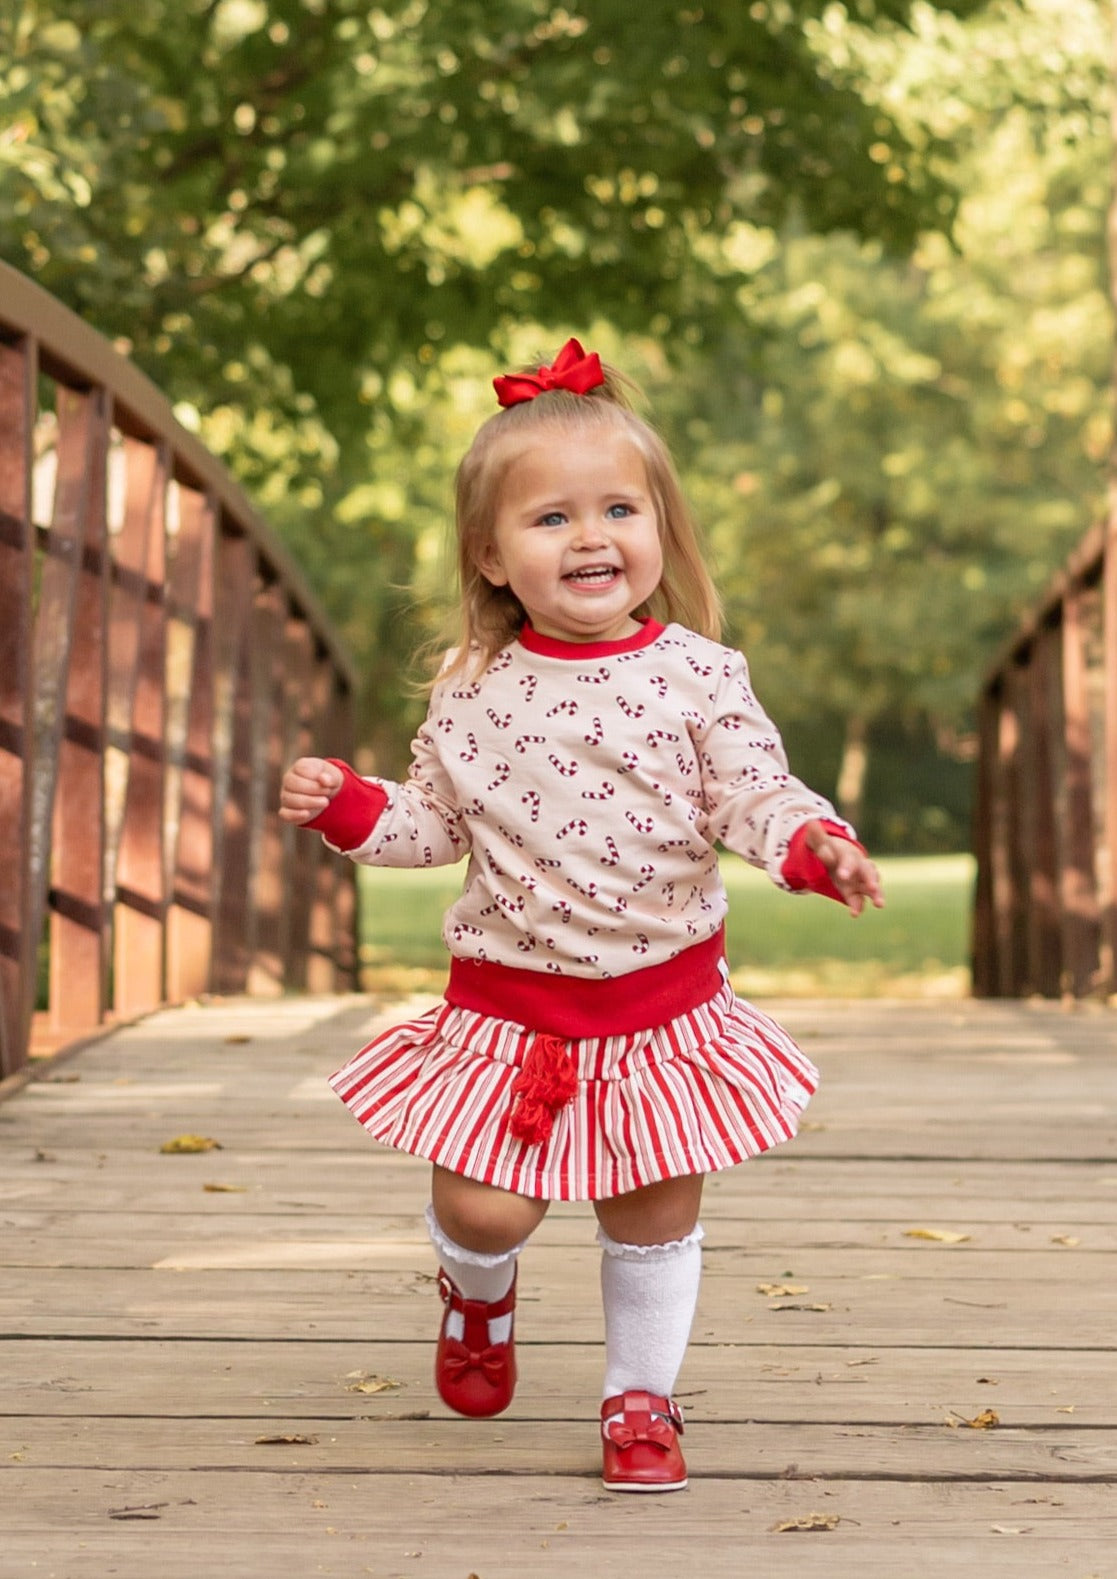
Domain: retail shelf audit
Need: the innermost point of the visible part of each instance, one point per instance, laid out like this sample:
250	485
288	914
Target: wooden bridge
219	1358
161	658
904	1361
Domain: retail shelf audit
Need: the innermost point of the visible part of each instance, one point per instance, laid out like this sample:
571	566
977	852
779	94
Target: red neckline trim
552	647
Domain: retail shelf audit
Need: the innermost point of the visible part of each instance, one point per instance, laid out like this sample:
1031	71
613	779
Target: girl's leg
650	1268
478	1233
650	1272
481	1217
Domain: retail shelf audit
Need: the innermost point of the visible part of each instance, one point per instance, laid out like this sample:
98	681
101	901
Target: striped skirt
719	1084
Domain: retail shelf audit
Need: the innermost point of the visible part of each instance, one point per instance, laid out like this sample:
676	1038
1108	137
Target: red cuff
802	868
352	813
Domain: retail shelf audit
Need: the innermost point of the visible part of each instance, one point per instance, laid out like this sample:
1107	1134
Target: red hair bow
571	369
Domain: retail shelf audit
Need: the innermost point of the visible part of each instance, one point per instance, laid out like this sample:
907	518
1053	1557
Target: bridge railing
161	658
1045	919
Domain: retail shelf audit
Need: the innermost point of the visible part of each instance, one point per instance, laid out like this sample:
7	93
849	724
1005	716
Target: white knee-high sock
649	1293
478	1274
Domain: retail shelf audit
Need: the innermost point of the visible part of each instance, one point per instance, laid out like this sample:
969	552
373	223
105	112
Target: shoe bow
657	1432
491	1361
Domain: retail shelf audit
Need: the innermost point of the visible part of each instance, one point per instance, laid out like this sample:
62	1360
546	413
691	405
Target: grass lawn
778	944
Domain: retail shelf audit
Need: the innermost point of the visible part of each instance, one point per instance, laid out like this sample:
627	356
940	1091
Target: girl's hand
851	872
309	785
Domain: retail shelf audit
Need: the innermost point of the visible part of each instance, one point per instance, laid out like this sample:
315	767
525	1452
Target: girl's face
575	535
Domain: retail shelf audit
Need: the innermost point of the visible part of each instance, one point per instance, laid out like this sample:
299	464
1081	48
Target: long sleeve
754	802
419	822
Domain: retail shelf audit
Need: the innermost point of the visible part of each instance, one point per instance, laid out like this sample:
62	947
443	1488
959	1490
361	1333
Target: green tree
292	211
914	445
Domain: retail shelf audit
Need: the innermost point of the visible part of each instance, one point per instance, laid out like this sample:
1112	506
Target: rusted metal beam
1108	874
1077	872
18	374
1039	827
160	661
75	354
134	755
190	748
78	936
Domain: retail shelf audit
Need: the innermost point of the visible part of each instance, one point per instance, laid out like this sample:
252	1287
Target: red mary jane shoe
640	1441
473	1376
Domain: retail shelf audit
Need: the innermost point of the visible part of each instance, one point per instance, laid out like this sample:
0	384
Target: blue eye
552	518
615	511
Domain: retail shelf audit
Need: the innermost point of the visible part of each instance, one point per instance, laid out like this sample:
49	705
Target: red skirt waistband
577	1006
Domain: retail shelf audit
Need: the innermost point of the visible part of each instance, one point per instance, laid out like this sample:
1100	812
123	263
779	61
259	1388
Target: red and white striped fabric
717	1085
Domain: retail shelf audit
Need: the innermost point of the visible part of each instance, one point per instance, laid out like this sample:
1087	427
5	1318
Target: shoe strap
634	1403
452	1296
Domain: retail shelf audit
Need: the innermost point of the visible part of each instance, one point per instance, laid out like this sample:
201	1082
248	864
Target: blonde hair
489	617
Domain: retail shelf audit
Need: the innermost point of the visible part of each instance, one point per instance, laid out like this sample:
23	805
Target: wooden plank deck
162	1317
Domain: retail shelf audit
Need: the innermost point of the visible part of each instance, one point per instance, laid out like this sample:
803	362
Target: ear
490	566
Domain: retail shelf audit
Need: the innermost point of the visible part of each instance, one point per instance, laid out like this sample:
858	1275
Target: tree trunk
850	792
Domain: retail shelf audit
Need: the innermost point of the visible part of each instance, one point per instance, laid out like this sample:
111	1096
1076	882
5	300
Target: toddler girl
587	745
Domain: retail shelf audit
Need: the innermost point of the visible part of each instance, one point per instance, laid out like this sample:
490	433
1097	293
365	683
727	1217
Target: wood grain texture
160	1314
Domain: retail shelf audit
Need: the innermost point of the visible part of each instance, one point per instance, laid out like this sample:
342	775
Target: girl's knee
480	1217
655	1215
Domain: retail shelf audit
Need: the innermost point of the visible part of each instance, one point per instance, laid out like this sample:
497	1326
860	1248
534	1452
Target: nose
589	532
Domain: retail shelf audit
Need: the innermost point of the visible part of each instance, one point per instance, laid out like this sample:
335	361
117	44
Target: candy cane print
523	741
565	706
654	736
503	773
567	769
627	708
531	801
577	825
501	723
641	824
606	792
598	733
614	854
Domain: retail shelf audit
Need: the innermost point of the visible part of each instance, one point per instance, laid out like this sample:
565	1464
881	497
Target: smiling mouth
593	576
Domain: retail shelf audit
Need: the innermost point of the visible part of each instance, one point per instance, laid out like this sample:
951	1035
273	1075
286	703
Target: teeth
605	573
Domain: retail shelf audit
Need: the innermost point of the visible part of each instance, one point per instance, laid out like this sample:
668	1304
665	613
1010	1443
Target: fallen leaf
225	1189
1008	1529
295	1439
778	1290
811	1521
938	1236
365	1382
1067	1409
182	1144
985	1421
1065	1239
